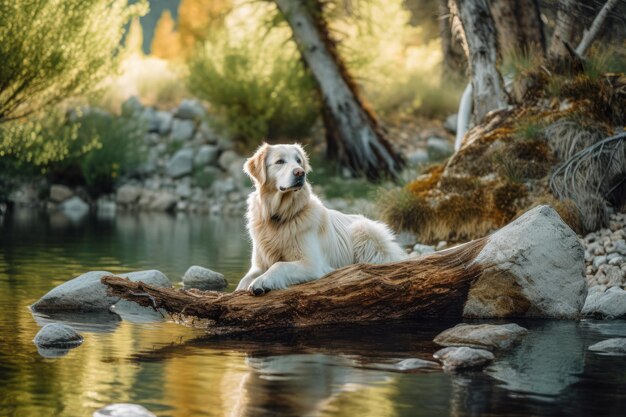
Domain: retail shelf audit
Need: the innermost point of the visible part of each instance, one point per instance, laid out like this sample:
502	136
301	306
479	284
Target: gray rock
149	120
441	245
183	189
25	195
182	130
227	158
165	119
599	260
208	134
418	157
180	164
204	279
438	148
123	410
163	201
134	313
190	109
87	293
206	155
457	358
619	246
486	336
616	345
75	205
610	304
223	187
405	365
127	194
225	144
57	335
132	106
59	193
423	249
450	123
533	267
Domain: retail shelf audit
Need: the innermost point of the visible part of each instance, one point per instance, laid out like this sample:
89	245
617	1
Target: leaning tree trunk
533	267
454	60
519	26
481	46
354	137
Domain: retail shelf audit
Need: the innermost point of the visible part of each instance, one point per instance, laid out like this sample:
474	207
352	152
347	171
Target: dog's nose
298	172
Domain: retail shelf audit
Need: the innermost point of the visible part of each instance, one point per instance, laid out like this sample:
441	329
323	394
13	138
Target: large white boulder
533	267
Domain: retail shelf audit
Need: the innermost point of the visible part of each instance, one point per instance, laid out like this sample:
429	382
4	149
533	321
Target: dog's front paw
257	287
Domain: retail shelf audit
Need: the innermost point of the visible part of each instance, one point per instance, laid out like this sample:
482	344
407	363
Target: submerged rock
533	267
456	358
616	345
486	336
87	293
57	335
204	279
610	304
405	365
123	410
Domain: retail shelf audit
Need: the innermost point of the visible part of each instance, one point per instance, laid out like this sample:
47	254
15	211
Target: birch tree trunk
353	135
519	26
481	43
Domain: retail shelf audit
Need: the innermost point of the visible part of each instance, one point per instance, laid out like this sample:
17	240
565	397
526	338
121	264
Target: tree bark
353	135
564	31
480	36
454	60
519	26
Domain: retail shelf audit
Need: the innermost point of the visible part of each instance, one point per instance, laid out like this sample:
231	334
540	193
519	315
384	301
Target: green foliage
117	151
52	50
258	88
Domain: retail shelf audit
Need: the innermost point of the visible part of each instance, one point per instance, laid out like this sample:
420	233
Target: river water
177	371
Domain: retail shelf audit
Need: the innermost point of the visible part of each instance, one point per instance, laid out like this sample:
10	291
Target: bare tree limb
592	33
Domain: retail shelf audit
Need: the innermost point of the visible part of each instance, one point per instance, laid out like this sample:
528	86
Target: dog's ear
305	158
255	165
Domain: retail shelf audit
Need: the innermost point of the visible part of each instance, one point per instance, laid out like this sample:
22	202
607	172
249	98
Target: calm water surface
176	371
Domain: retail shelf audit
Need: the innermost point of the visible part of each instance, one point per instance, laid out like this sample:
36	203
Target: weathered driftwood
435	286
532	267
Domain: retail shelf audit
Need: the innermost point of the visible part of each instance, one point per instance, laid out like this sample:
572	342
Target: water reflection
136	356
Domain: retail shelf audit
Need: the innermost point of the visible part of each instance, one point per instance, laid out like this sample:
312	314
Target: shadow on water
139	357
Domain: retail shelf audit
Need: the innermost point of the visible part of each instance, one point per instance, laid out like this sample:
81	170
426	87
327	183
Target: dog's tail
374	243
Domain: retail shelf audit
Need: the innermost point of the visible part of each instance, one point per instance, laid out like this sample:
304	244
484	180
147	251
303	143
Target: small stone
127	194
450	123
190	109
486	336
438	148
57	335
418	157
123	410
149	120
180	164
227	158
74	205
441	245
423	249
616	345
204	279
599	260
163	201
609	304
182	130
405	365
206	155
165	120
132	106
59	193
456	358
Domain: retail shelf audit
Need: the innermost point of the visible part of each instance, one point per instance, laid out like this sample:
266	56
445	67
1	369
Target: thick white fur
294	237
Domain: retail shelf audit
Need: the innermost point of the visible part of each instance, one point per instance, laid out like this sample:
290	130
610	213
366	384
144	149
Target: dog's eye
298	160
280	162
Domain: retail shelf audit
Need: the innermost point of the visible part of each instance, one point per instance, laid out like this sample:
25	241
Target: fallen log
532	267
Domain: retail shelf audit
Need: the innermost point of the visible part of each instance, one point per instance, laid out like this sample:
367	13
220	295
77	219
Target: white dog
294	237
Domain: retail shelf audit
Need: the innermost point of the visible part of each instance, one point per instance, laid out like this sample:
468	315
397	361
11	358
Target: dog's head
283	167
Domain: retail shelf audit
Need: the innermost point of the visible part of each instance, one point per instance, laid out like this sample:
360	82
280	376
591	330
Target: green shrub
117	149
258	88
